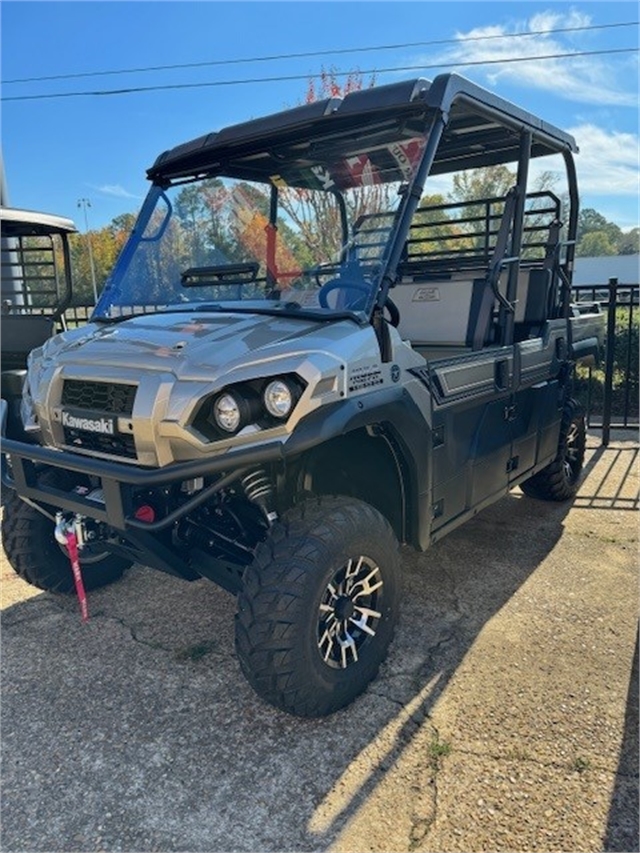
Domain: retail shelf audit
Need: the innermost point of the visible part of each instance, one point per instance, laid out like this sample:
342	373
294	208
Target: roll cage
463	125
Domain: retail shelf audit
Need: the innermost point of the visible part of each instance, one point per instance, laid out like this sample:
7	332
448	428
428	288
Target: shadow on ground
622	826
138	732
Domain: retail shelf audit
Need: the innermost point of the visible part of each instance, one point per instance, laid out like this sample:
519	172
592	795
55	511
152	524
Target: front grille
115	445
112	398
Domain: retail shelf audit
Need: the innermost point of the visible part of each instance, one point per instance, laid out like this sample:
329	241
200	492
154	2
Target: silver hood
188	344
175	360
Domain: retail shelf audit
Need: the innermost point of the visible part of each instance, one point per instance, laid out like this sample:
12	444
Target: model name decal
426	294
106	426
365	377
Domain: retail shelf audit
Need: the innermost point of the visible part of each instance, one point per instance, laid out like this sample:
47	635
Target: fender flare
396	414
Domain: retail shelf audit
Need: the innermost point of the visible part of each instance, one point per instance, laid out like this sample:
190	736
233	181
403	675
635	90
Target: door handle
501	375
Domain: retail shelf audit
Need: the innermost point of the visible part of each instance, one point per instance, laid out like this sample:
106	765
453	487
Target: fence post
608	360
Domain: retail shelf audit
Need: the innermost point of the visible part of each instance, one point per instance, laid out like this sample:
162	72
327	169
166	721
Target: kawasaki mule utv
299	362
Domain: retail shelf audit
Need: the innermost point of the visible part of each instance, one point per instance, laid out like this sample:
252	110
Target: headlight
257	404
226	413
278	399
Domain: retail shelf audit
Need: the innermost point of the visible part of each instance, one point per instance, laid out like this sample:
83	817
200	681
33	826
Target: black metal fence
609	391
77	315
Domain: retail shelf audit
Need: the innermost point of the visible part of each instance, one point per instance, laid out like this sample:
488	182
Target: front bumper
119	481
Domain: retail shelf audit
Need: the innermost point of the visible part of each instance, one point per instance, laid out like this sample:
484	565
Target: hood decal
181	344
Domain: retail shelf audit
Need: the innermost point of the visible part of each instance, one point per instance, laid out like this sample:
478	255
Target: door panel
472	445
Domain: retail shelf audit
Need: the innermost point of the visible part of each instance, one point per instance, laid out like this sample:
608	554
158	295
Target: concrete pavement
505	718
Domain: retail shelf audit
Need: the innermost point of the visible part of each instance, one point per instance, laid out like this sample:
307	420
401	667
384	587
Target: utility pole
85	203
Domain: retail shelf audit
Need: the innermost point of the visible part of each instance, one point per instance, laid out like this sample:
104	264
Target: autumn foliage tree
106	244
316	214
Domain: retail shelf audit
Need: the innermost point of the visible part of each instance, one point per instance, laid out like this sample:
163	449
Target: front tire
559	481
32	550
319	606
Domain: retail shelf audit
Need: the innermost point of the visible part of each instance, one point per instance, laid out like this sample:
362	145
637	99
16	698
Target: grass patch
580	765
438	749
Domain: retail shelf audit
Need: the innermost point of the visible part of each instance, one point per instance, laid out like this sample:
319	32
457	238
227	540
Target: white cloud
585	79
608	168
608	161
115	190
545	21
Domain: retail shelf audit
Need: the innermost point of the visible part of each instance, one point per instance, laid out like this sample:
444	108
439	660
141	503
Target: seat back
21	333
434	311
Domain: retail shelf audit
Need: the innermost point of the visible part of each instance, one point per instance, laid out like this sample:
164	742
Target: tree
590	220
435	230
490	185
122	225
316	214
485	182
327	86
629	243
595	244
590	223
106	244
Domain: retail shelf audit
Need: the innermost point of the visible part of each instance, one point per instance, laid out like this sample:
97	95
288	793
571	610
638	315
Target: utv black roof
482	130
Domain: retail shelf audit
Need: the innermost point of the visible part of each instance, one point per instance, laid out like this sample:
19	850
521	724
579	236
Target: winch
71	532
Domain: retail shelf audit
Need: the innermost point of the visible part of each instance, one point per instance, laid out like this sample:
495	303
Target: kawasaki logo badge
106	426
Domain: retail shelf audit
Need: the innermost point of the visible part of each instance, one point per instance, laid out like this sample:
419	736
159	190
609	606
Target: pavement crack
399	702
192	653
443	641
457	606
422	823
133	632
40	612
420	828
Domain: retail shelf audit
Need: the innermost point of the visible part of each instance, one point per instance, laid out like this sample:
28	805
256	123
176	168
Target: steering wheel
320	270
339	284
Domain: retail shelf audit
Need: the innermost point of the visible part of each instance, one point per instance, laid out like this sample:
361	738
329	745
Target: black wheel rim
349	612
572	452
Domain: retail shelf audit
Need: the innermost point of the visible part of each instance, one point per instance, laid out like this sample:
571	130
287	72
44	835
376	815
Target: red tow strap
72	548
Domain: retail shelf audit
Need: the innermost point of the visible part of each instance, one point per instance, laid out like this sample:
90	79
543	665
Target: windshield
313	238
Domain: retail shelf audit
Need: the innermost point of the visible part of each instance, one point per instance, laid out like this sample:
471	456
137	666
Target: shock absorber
259	489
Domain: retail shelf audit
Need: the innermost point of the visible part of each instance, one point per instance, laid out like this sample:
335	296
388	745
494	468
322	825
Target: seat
20	334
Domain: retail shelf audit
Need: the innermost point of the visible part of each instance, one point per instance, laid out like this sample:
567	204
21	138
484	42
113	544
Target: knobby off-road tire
559	481
32	550
319	606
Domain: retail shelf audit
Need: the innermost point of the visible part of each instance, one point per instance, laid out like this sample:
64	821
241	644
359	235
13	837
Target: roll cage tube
506	319
344	222
572	229
404	215
68	282
272	237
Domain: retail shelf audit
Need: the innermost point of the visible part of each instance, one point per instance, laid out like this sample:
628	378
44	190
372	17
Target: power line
291	77
317	53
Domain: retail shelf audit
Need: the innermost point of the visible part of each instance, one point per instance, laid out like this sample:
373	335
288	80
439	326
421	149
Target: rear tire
35	555
559	481
319	606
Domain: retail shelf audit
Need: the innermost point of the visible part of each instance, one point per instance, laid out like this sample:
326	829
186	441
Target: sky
59	150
